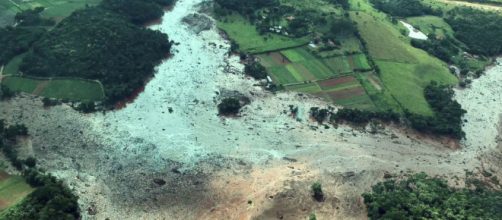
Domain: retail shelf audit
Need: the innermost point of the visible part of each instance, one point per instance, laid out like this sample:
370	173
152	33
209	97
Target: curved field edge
60	88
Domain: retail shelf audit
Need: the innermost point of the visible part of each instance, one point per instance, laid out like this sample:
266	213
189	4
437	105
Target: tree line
446	119
51	199
104	43
424	197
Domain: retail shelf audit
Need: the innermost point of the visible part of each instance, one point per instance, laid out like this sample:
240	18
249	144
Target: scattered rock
159	182
198	22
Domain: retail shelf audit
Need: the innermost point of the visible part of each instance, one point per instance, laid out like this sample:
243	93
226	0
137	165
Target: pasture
70	89
404	70
13	189
250	41
431	25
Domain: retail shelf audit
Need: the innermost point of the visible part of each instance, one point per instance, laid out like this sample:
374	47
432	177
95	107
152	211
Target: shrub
229	106
318	194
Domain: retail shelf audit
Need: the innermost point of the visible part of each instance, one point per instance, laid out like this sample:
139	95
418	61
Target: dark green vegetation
229	106
14	41
100	45
468	25
404	8
422	197
256	70
31	17
50	198
447	119
109	49
317	192
137	11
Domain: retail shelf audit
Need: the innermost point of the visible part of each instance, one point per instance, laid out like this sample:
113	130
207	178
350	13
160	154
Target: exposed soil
336	81
346	93
279	58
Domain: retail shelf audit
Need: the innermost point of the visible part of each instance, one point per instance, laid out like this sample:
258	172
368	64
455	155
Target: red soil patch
3	175
351	62
3	204
346	93
40	88
336	81
279	58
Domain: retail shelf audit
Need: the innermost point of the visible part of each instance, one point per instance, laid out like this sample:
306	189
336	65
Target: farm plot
359	62
295	66
340	64
71	89
346	91
12	190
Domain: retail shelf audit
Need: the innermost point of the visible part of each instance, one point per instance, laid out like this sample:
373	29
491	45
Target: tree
229	106
318	194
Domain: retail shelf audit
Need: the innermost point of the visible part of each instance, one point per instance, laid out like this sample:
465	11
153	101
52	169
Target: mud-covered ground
146	162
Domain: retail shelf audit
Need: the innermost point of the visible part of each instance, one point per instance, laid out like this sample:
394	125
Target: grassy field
431	24
249	40
55	9
12	190
12	67
405	70
71	89
384	41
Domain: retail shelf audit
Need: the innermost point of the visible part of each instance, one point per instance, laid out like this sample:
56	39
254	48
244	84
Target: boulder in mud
198	22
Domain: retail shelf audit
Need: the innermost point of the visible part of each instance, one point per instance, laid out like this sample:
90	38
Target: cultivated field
404	70
70	89
12	190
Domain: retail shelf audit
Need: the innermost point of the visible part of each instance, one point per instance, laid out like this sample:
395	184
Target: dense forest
51	198
422	197
100	44
14	41
137	11
444	49
246	7
404	8
479	30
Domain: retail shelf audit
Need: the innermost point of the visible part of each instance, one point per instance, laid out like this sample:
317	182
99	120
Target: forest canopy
422	197
479	30
99	44
403	8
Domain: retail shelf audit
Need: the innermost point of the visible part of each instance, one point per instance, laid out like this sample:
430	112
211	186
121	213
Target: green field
339	64
12	67
249	40
71	89
384	41
431	25
405	70
55	9
12	190
360	62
